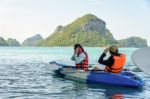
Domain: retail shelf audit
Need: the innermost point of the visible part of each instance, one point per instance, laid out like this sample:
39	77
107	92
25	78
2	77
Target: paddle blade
141	58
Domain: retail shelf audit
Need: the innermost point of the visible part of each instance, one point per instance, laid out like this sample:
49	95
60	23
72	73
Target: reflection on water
107	91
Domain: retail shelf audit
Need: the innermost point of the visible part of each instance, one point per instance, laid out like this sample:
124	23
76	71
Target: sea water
25	73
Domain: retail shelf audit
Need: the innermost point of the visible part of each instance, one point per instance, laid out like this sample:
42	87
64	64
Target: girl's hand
76	51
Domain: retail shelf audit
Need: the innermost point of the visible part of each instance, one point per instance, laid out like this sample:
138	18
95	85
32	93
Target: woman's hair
113	49
78	45
115	53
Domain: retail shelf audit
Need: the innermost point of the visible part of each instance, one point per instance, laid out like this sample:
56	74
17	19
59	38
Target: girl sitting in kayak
80	57
115	62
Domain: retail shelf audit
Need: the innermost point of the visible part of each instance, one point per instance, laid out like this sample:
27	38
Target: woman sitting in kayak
115	62
80	57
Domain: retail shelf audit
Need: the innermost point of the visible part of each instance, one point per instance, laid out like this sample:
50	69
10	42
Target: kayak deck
125	78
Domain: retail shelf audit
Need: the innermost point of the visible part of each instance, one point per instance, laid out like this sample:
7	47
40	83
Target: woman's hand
106	50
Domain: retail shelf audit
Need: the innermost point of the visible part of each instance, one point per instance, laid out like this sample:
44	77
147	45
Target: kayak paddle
141	58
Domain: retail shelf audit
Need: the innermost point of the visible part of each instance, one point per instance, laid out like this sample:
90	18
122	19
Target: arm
109	62
73	57
80	58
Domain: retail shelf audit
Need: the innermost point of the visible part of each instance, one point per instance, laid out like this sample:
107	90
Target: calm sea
25	73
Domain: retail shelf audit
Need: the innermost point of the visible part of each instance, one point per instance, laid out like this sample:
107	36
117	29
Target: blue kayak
125	78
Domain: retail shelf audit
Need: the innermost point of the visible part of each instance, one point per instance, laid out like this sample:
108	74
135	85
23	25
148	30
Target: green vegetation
85	30
133	42
3	42
9	42
88	30
13	42
32	41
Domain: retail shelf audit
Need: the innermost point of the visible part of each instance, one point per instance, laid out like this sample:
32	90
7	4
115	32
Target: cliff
3	42
87	30
32	41
133	42
12	42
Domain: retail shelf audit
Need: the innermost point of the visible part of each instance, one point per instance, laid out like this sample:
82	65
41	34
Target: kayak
125	78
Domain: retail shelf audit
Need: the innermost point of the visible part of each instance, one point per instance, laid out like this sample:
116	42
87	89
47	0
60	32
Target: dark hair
115	53
113	49
78	45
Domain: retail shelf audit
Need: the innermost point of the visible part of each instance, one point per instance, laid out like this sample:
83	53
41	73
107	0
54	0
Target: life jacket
84	64
119	62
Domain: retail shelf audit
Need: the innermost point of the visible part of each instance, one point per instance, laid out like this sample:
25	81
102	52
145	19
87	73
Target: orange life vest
84	64
119	62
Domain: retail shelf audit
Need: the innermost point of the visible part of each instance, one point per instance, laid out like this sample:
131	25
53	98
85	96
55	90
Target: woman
115	62
80	57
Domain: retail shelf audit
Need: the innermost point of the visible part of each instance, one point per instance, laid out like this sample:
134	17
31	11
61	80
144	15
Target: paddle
90	69
61	65
141	58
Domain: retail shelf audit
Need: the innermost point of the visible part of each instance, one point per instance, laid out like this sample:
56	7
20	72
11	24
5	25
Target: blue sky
24	18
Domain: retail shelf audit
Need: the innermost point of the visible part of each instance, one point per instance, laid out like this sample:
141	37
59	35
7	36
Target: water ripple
26	74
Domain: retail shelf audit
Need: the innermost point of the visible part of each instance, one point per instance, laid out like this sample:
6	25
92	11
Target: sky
20	19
